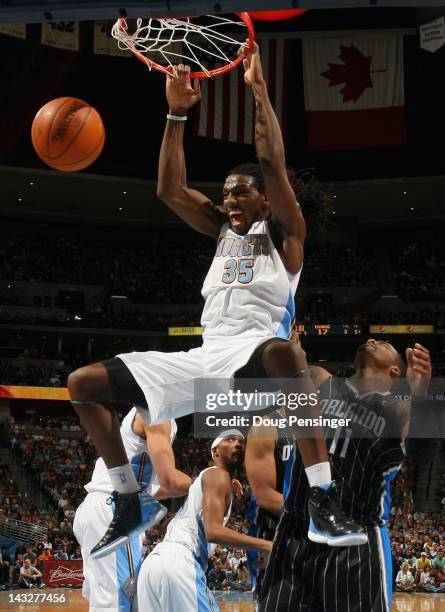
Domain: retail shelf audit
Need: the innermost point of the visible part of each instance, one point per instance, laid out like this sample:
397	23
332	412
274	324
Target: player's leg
110	583
329	524
290	580
94	390
359	578
162	385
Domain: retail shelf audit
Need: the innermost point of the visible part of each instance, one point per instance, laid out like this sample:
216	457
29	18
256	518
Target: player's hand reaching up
237	488
253	72
181	94
419	370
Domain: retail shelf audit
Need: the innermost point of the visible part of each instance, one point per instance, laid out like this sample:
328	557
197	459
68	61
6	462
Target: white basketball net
173	41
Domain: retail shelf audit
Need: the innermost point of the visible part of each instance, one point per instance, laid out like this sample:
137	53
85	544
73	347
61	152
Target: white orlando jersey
247	289
136	450
187	527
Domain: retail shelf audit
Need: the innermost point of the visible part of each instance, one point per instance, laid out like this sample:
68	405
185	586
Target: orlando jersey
187	527
247	290
363	458
135	449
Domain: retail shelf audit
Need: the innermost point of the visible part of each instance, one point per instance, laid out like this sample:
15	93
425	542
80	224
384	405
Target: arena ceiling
47	195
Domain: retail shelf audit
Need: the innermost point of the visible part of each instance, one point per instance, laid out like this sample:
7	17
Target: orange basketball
68	134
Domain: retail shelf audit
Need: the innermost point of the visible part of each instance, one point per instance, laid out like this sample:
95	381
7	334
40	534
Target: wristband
177	117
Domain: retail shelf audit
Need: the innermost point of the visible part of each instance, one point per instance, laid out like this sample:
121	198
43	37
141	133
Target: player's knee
283	359
89	384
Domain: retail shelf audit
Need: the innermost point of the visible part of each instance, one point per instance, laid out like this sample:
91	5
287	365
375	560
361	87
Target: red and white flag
354	92
227	108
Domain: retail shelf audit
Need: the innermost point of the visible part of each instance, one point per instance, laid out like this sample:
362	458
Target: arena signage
63	573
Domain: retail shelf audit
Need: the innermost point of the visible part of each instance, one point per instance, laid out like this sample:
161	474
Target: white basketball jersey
187	528
136	450
247	289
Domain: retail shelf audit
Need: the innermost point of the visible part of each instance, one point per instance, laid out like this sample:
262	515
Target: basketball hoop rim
244	16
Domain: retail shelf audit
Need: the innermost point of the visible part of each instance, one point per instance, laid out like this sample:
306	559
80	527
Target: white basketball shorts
168	380
171	580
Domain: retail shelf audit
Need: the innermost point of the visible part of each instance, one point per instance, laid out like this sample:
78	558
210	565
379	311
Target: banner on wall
104	43
17	30
61	34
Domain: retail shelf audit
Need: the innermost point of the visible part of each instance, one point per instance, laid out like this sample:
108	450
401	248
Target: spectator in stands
30	576
434	584
31	555
243	574
234	561
405	579
225	565
16	569
421	565
439	560
217	577
61	554
5	569
77	555
425	578
45	556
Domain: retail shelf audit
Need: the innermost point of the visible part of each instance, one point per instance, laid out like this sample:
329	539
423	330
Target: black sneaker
133	514
329	524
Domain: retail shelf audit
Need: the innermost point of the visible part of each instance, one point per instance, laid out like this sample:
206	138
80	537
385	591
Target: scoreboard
343	329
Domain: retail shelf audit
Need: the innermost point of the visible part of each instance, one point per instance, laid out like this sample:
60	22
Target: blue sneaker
329	524
133	514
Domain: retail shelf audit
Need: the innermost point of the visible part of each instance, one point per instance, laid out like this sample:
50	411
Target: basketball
68	134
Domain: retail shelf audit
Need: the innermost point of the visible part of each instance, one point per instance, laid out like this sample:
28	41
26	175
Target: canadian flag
354	92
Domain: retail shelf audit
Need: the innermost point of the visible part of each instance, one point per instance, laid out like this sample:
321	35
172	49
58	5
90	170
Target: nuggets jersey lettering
135	448
187	527
364	459
247	289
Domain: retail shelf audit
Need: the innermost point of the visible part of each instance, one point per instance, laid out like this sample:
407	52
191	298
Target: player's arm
421	417
261	468
174	483
318	374
190	205
216	486
286	211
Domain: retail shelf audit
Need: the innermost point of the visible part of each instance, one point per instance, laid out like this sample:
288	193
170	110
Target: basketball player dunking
110	583
172	577
249	292
303	576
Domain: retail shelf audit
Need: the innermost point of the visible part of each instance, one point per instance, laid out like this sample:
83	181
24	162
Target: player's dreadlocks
315	203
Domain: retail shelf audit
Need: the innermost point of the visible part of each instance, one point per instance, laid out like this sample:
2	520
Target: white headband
226	434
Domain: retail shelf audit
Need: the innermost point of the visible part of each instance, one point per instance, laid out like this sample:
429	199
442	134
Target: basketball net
211	45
